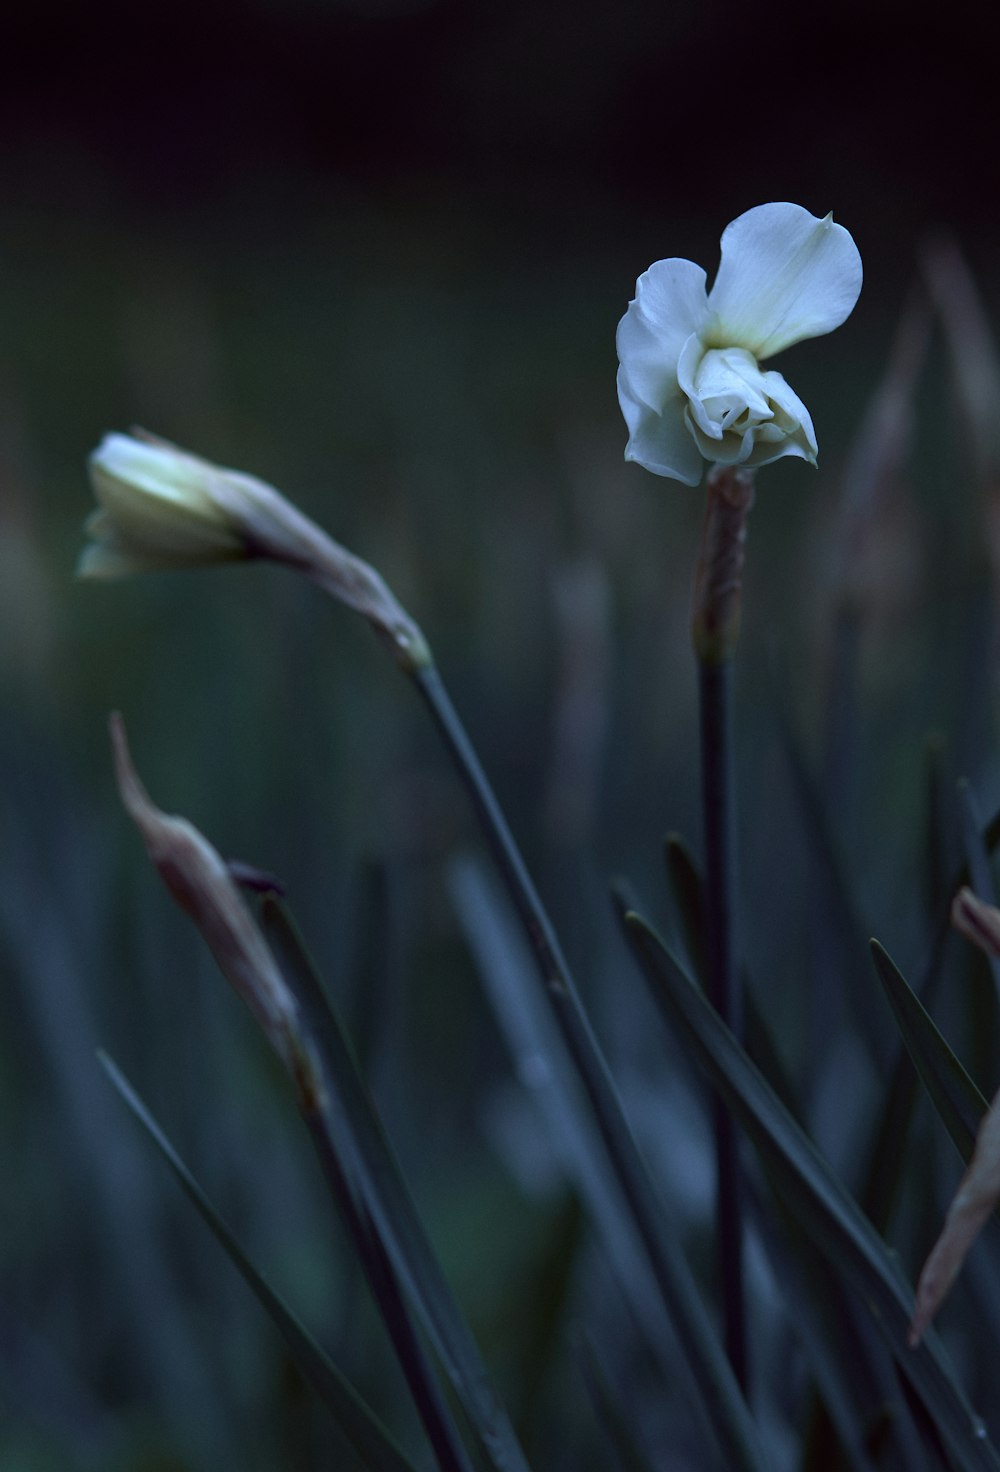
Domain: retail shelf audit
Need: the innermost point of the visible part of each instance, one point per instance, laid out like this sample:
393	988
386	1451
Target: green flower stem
724	989
450	1454
715	633
732	1421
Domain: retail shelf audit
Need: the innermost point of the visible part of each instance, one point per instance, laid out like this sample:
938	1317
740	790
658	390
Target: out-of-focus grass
441	398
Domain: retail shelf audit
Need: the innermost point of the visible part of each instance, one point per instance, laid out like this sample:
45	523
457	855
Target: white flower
690	382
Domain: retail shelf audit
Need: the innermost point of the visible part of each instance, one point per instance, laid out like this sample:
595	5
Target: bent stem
732	1421
715	631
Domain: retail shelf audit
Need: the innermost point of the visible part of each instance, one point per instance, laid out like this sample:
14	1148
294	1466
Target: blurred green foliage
432	380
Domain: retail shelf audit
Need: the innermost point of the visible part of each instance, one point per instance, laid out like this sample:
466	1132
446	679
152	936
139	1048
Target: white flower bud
159	507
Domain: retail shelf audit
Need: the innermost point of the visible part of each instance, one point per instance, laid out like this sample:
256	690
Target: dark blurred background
376	252
652	109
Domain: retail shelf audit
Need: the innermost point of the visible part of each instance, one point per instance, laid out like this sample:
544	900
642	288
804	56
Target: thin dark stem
719	800
729	1413
722	957
424	1387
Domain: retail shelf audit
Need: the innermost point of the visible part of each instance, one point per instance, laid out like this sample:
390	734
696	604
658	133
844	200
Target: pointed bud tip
134	796
976	920
119	743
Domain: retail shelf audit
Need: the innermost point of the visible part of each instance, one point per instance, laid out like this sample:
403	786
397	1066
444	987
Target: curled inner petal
737	414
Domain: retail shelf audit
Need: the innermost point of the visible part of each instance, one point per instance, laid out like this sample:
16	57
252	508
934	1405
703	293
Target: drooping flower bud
160	507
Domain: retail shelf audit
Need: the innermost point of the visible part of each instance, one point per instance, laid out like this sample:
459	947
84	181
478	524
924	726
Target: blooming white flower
690	382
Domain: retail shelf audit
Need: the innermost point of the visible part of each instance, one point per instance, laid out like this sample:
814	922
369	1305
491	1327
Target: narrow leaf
687	887
953	1093
845	1378
630	1455
823	1206
837	887
883	1171
727	1411
376	1175
974	1126
561	1092
687	890
357	1422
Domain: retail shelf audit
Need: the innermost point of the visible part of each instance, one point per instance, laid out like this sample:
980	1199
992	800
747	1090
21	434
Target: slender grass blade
376	1176
821	1203
953	1093
358	1424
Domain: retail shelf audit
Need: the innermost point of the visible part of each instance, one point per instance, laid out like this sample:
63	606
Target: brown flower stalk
718	587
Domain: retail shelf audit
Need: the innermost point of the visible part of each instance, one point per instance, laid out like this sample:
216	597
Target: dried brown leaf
201	882
975	1200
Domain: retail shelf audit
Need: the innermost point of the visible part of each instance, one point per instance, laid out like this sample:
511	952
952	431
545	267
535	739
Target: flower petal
153	469
103	560
785	275
793	447
791	415
671	296
670	303
165	525
726	387
660	442
651	365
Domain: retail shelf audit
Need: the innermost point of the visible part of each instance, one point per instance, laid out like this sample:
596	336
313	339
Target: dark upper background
888	112
383	246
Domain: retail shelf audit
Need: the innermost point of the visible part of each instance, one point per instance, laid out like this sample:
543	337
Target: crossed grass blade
846	922
356	1132
823	1206
630	1455
851	1372
956	1098
843	1386
532	1033
356	1422
686	888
